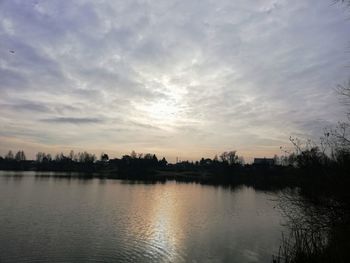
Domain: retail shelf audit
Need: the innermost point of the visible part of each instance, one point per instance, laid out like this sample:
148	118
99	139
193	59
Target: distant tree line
19	156
81	161
84	161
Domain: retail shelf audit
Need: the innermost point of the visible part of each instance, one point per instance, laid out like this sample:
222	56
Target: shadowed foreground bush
303	245
319	229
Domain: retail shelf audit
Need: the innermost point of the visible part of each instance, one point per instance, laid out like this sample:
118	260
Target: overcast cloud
178	78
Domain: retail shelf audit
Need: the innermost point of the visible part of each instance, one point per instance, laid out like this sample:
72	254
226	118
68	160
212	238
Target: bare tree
9	155
20	156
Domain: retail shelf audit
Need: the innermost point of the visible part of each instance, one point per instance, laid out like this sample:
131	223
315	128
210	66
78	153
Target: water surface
50	219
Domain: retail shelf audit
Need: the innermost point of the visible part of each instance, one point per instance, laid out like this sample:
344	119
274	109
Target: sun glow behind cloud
164	112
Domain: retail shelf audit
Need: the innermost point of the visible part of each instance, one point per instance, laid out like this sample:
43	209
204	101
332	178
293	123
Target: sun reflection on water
157	223
167	231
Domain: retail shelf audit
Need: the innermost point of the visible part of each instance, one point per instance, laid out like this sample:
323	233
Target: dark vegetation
319	209
228	168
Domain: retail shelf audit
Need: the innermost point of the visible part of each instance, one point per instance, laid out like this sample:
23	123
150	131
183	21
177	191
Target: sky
180	79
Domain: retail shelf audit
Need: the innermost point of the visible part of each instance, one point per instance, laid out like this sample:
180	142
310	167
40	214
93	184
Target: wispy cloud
72	120
170	76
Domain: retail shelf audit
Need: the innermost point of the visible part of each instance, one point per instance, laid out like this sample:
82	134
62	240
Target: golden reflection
157	221
168	228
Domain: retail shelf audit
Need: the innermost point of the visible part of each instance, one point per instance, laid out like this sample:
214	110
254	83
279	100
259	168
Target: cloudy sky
178	78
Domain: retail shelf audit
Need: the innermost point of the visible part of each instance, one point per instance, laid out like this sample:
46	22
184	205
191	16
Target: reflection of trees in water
318	227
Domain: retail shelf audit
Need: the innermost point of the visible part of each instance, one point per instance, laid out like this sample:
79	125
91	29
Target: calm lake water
50	219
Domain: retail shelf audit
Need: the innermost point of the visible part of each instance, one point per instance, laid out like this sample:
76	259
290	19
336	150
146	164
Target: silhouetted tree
229	158
72	155
48	158
85	157
20	156
59	157
154	158
104	157
9	156
148	156
40	156
205	162
276	160
163	162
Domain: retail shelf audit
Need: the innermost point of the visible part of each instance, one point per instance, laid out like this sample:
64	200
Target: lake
46	218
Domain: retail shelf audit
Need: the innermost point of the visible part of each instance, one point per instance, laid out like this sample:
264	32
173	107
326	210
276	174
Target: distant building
264	161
